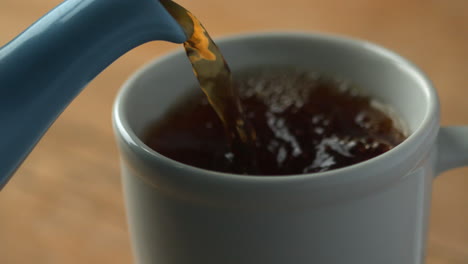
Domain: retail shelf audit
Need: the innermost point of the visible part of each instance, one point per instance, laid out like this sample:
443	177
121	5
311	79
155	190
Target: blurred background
65	205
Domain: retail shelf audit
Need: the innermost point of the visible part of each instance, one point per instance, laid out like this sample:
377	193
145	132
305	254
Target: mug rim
425	132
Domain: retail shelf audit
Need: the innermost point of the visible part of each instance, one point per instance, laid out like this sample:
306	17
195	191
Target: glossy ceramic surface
371	212
43	69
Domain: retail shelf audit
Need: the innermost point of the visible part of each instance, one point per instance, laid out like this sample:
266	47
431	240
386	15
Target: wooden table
64	205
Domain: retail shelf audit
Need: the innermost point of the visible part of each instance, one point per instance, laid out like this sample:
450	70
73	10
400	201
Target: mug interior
379	73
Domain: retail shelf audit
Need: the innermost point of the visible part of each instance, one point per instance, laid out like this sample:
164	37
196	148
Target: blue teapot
43	69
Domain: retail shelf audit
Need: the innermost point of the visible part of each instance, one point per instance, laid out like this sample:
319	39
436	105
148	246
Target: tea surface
305	122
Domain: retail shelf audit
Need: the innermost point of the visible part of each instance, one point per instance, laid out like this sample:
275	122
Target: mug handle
452	148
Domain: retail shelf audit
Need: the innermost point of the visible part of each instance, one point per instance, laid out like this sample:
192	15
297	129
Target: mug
371	212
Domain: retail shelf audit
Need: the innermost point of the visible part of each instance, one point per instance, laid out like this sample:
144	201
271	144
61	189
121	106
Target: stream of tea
214	76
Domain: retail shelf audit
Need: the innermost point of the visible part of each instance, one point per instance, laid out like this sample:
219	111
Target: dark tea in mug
304	122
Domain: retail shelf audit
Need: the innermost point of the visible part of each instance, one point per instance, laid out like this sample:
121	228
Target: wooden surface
65	203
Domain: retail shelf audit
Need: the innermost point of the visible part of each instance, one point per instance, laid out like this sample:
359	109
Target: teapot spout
44	68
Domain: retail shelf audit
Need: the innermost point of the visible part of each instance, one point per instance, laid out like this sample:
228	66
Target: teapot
44	68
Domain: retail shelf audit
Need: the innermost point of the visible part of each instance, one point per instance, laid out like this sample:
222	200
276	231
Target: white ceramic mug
374	212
